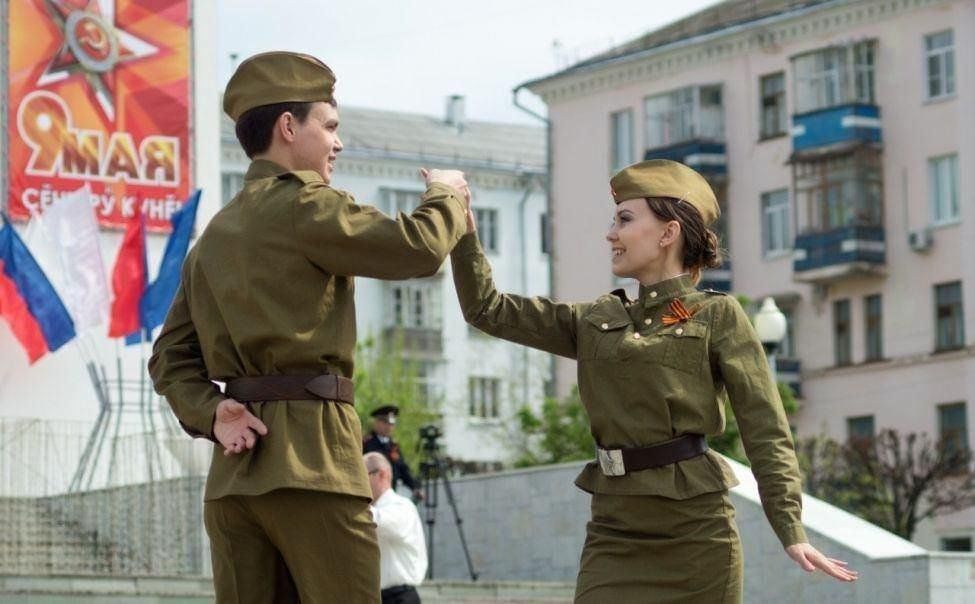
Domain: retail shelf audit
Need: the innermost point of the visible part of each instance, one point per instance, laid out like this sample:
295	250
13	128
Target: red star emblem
93	46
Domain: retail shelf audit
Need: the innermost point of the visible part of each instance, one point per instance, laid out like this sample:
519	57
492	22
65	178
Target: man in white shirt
402	549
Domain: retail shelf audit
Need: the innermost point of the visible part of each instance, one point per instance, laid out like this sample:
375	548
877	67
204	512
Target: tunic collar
263	168
664	291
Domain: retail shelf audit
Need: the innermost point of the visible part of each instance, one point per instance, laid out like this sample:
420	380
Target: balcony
845	251
706	156
841	126
415	342
687	125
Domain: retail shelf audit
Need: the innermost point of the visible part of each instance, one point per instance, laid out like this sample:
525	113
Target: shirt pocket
602	335
685	345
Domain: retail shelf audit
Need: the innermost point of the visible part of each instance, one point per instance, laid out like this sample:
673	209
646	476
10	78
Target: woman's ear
671	233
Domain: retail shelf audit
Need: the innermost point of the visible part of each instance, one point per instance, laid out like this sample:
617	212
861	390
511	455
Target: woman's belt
326	387
617	462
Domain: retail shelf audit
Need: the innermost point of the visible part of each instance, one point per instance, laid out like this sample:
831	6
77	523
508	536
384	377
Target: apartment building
839	138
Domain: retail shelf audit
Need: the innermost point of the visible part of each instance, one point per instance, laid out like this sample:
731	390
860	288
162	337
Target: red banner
99	93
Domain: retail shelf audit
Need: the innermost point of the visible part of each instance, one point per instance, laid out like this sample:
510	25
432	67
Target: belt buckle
611	461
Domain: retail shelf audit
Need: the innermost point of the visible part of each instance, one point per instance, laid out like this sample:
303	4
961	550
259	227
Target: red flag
129	279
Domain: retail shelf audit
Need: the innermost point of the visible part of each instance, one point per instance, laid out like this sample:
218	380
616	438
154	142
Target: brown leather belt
326	387
617	462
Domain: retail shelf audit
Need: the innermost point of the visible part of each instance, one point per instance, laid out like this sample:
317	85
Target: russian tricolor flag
28	302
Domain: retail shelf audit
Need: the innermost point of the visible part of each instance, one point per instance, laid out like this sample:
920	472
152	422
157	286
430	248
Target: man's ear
285	126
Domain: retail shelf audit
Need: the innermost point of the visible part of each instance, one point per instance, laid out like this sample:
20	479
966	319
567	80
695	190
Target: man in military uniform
266	306
381	440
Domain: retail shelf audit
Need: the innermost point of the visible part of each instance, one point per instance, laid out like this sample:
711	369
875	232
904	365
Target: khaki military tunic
268	290
643	382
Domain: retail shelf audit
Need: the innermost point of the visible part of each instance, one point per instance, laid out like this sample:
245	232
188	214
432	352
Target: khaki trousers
293	545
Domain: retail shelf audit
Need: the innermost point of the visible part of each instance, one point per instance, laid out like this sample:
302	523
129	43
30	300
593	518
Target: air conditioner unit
920	240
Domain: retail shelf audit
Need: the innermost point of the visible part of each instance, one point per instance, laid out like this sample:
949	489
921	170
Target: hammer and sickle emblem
94	37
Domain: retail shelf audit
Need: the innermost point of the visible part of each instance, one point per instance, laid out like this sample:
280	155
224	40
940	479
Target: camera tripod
432	469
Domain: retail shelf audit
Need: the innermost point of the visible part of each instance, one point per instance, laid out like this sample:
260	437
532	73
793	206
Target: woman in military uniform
653	373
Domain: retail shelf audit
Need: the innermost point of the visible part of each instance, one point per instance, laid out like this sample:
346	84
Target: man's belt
617	462
326	387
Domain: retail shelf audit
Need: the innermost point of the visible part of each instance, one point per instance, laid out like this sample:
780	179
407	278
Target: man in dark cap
381	440
266	306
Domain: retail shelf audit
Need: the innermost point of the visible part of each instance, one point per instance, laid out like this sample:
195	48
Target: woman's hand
471	225
809	559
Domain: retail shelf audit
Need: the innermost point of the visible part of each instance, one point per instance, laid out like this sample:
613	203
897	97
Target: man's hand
471	223
235	427
809	559
451	178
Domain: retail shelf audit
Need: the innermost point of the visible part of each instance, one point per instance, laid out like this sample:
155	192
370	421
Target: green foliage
385	376
560	433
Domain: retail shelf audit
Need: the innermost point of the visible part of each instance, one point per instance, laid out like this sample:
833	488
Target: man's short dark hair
255	126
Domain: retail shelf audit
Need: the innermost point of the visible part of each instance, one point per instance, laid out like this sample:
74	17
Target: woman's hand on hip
810	559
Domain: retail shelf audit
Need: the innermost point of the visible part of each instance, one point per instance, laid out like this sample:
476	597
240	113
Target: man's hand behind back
235	427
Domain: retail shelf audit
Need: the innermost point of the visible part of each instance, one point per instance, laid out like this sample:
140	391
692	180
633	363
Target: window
683	115
775	222
948	317
487	227
860	428
772	90
939	58
943	188
621	147
545	234
840	191
956	544
416	304
483	399
841	332
874	324
231	183
402	201
428	388
953	427
834	76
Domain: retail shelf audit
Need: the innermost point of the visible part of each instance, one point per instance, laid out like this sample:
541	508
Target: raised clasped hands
235	427
810	559
451	178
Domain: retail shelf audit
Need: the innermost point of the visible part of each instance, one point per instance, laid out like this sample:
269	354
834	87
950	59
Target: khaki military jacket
643	382
268	290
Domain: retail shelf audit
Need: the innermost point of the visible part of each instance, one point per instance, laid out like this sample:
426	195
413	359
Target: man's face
316	143
382	427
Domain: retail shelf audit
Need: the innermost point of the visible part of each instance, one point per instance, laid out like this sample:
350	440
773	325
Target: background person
380	440
402	550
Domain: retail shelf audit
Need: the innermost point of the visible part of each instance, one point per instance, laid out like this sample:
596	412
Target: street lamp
770	326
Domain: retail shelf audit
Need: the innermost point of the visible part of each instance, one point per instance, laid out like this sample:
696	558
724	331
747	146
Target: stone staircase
35	540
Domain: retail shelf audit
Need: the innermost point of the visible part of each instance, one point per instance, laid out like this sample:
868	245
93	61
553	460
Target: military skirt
646	549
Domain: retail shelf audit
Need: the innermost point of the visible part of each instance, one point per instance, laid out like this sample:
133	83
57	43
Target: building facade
474	381
837	136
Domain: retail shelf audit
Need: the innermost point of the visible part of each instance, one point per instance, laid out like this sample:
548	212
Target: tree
891	480
560	433
385	375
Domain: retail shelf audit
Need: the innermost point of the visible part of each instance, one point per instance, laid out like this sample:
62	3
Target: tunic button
605	325
648	321
653	294
636	336
679	330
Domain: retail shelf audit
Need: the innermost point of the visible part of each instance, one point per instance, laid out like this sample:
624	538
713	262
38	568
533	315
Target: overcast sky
410	55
